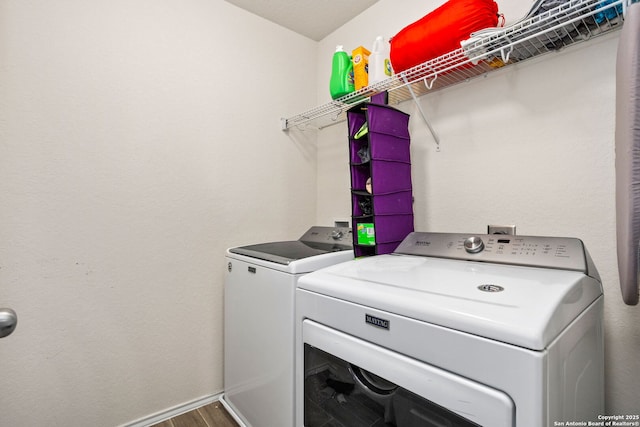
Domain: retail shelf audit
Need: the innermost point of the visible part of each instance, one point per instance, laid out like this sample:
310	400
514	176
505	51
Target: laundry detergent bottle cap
341	82
379	64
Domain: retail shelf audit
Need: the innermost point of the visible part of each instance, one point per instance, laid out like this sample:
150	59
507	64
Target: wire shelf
572	22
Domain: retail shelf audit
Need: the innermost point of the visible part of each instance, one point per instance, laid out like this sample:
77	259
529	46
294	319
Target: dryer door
351	382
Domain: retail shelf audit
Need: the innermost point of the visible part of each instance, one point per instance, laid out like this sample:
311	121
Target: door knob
8	321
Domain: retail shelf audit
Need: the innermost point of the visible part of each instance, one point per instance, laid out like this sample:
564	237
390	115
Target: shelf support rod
424	116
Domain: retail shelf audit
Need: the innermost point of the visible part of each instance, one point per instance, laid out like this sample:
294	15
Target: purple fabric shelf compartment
397	203
356	119
381	147
388	147
357	146
360	251
388	228
383	248
387	120
382	119
386	177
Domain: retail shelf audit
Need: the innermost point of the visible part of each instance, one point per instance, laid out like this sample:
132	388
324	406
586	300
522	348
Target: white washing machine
259	321
452	330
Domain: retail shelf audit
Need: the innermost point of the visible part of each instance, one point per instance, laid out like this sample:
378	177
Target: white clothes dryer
452	330
259	321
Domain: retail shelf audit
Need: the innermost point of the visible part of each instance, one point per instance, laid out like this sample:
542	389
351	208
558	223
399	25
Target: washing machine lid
316	241
287	251
520	305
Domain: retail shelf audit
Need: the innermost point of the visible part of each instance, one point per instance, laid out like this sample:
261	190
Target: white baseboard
232	411
173	412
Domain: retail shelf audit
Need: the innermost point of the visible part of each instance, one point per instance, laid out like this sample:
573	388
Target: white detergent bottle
379	63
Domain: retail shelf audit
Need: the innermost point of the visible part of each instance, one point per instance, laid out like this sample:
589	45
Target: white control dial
473	245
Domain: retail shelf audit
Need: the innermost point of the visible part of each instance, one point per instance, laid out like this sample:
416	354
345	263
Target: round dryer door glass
339	393
372	382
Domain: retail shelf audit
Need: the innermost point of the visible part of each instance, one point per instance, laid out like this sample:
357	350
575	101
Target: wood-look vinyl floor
211	415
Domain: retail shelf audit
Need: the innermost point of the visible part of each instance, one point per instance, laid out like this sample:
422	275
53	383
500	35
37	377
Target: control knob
336	234
473	245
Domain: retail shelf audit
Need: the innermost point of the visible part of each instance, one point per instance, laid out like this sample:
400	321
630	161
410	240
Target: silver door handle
8	321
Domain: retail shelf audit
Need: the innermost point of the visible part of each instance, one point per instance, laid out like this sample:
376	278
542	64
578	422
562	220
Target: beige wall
138	140
530	145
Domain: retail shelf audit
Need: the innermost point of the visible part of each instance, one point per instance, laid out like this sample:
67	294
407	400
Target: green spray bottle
341	82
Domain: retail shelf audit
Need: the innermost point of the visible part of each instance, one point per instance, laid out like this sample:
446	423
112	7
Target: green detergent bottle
341	74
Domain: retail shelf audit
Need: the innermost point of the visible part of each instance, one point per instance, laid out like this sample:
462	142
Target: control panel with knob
547	252
331	235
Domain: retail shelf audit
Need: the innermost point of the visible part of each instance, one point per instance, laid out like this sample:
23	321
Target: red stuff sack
441	31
